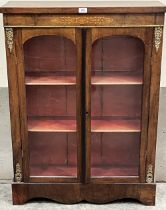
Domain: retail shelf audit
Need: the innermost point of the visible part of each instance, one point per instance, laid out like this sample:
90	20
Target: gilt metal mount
18	173
158	35
149	175
9	38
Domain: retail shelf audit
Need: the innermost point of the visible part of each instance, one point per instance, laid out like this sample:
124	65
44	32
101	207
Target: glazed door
50	80
117	90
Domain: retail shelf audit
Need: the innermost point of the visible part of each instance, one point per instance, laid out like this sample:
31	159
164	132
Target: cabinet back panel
116	101
49	53
115	150
53	151
118	53
51	100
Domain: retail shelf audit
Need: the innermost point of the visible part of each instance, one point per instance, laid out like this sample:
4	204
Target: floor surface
6	203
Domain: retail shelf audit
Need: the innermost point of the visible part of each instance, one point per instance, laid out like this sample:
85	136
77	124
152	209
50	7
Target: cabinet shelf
39	171
71	80
115	126
117	80
114	171
49	125
50	80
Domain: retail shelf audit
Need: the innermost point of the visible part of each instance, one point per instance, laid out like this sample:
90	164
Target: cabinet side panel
154	102
11	39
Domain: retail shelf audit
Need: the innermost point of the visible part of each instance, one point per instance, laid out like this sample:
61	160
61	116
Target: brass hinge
157	37
18	173
149	174
9	38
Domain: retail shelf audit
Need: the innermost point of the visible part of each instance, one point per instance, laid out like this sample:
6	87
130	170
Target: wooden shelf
49	125
115	126
50	80
117	80
71	80
45	125
114	171
40	171
53	171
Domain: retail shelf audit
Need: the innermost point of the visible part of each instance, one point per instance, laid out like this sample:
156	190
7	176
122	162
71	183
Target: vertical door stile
79	102
148	43
88	101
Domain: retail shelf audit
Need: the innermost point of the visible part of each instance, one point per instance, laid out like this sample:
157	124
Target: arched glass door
116	103
51	82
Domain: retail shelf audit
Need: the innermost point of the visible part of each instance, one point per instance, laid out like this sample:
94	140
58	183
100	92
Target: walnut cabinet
84	86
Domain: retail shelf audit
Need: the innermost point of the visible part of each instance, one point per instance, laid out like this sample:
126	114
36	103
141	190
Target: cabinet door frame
146	35
23	34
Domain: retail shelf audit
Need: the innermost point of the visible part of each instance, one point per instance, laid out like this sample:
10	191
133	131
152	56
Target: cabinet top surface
30	7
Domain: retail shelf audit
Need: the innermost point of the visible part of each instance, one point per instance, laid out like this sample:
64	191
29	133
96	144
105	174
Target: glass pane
50	69
116	100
